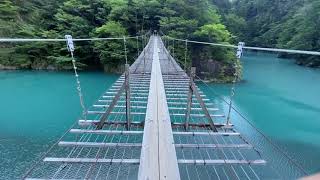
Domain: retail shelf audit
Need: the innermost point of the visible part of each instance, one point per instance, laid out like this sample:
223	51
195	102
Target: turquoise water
279	97
36	108
282	100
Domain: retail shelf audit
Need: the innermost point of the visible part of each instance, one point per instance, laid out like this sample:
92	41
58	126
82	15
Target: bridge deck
157	143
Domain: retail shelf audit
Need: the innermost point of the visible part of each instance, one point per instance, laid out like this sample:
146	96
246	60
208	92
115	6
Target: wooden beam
207	133
109	132
204	108
98	144
127	90
90	160
220	161
246	146
95	122
110	108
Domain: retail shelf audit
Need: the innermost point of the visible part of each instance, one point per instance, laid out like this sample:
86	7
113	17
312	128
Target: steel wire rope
316	53
63	40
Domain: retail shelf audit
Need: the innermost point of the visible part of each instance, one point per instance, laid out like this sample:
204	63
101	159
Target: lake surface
277	96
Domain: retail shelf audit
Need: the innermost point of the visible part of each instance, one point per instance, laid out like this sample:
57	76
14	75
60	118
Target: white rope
316	53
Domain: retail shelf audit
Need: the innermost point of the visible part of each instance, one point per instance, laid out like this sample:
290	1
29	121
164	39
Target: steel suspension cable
316	53
62	40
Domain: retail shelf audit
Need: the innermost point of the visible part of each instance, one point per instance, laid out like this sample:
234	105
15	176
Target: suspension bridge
154	123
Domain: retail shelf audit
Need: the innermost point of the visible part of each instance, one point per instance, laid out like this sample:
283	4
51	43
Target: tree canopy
197	19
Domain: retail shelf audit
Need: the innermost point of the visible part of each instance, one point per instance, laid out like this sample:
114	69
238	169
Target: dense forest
289	24
269	23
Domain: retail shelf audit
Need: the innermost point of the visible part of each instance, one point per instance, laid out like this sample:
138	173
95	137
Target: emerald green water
36	108
279	97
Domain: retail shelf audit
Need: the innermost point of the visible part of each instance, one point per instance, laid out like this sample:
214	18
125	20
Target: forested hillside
291	24
198	20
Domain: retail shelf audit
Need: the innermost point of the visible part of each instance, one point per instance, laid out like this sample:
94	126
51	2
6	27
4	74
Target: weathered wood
90	160
111	106
109	132
220	161
207	133
95	122
192	108
175	124
203	106
198	115
103	112
121	101
158	156
127	90
98	144
213	146
119	106
189	103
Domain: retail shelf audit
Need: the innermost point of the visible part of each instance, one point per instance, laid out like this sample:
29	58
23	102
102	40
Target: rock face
214	71
3	67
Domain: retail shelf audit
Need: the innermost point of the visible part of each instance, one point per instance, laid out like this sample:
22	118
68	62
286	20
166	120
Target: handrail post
188	112
185	55
127	90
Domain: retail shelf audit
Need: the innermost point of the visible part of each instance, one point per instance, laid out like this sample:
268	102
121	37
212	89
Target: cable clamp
239	50
70	45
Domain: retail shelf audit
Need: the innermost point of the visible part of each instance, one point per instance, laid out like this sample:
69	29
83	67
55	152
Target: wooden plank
220	161
198	115
107	101
158	156
185	103
95	122
195	109
246	146
203	125
97	144
109	132
207	133
103	112
90	160
175	124
119	106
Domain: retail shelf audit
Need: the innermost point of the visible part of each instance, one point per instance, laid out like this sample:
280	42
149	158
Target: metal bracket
69	41
240	49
